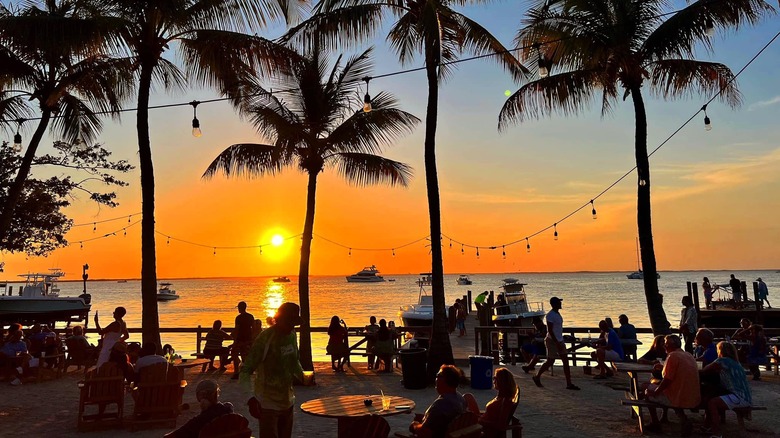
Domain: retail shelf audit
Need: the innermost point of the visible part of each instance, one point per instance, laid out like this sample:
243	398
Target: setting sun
277	240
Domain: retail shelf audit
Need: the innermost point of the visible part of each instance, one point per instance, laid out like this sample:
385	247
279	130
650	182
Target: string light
555	228
261	249
18	136
707	124
215	251
527	245
450	243
350	252
367	99
196	132
477	252
462	251
503	251
128	219
541	62
593	210
125	231
168	242
393	252
94	226
709	27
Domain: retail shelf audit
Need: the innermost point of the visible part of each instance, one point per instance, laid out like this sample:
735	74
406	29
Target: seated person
448	406
498	410
536	347
14	356
41	341
384	348
118	355
705	351
214	348
133	351
148	356
733	382
656	353
627	331
207	394
742	334
610	349
679	388
758	351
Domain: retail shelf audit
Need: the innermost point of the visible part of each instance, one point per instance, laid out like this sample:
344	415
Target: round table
347	408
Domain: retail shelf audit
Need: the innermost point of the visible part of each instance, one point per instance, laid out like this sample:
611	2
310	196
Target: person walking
688	323
763	292
242	336
274	357
706	286
736	291
556	349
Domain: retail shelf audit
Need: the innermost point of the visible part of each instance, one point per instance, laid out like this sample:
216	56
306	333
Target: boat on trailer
38	301
517	311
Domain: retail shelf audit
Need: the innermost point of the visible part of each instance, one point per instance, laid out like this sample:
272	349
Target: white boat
367	275
518	311
421	313
165	293
281	280
464	280
638	274
38	301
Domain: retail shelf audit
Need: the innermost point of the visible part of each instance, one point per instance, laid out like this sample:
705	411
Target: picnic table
348	408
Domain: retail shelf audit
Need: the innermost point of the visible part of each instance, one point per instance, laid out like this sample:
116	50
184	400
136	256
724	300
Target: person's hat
555	299
758	279
207	385
289	312
241	304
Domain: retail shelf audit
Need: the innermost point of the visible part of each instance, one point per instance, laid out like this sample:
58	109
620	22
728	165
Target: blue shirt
613	341
441	413
11	348
627	331
708	355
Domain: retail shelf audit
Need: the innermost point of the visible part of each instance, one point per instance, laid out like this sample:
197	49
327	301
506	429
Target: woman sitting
499	410
734	383
337	344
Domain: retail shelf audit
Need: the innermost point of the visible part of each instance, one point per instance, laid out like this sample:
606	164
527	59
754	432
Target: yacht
367	275
517	311
421	313
464	280
281	280
165	293
38	301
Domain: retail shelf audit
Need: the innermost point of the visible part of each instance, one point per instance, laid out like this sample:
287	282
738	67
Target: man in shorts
556	349
679	388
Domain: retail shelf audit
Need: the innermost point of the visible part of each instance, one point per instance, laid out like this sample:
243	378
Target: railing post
198	334
468	300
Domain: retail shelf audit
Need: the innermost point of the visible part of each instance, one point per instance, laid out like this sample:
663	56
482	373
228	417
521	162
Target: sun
277	240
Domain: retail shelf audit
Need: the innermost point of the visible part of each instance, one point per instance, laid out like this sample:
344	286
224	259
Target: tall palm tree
54	57
609	45
441	34
211	38
312	124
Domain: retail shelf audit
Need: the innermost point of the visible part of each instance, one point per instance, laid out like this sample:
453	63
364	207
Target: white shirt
557	320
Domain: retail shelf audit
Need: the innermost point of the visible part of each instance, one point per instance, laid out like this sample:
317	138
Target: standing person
757	354
214	348
337	347
274	357
556	349
536	347
461	317
480	300
679	388
242	337
688	325
452	317
502	308
736	291
707	288
384	347
371	330
113	333
763	292
448	406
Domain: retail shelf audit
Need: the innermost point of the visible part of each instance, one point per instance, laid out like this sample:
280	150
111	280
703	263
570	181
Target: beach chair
79	355
369	426
512	423
227	426
157	395
102	387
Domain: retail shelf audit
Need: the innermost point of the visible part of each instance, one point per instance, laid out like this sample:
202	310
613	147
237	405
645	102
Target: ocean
587	298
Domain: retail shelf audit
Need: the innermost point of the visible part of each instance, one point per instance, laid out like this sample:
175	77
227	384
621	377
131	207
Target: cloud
764	103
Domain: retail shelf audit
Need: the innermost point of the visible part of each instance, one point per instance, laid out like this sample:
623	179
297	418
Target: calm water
588	297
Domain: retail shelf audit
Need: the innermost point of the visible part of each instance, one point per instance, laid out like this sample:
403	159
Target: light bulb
196	132
543	72
593	210
707	124
642	182
709	28
367	103
18	142
555	235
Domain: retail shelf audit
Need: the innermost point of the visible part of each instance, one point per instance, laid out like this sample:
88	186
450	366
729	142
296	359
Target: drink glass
385	403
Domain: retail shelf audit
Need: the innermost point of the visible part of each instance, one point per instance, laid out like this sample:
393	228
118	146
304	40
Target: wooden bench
741	413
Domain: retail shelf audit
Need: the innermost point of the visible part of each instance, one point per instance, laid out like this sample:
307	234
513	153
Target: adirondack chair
102	387
512	424
369	426
157	396
227	426
79	355
464	425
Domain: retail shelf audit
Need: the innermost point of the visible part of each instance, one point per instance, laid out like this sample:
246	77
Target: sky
714	194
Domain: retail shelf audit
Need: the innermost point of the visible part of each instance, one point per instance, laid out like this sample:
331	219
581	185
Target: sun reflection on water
274	297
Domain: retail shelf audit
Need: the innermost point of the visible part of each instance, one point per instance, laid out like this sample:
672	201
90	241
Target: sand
49	408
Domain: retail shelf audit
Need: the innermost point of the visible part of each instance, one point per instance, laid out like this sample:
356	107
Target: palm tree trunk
655	308
15	192
440	349
150	322
303	276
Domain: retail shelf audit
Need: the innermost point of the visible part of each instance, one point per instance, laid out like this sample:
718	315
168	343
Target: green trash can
413	364
481	372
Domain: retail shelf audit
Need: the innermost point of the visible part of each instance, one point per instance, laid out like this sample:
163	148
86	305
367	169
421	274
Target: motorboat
464	280
421	313
281	280
165	293
38	301
638	274
517	311
366	275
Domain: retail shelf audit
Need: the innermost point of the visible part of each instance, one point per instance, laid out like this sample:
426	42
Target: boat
165	293
638	274
464	280
38	301
281	280
517	312
421	313
366	275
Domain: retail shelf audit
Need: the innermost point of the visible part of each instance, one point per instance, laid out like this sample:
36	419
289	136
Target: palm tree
441	34
312	124
209	35
609	45
54	57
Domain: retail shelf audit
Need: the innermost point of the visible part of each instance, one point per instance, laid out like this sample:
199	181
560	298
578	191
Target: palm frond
479	41
76	120
405	39
251	160
368	169
344	27
169	76
13	107
680	77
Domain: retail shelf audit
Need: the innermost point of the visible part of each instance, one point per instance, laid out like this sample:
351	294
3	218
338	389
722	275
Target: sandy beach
49	408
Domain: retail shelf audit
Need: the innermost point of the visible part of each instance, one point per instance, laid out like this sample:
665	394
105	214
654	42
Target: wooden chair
369	426
512	423
102	387
464	425
157	395
227	426
79	355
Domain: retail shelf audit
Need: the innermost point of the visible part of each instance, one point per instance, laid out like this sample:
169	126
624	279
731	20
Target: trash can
481	372
413	362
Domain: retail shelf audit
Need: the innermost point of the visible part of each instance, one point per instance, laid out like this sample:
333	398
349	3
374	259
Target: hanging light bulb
367	99
128	219
593	210
81	245
215	250
18	136
544	71
450	243
350	252
462	251
94	226
527	245
555	228
707	124
168	242
477	252
709	27
125	229
503	251
393	252
261	249
196	132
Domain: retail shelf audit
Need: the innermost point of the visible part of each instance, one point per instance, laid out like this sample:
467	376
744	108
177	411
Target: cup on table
385	403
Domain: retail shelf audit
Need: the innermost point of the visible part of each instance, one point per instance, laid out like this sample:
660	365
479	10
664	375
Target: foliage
39	224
